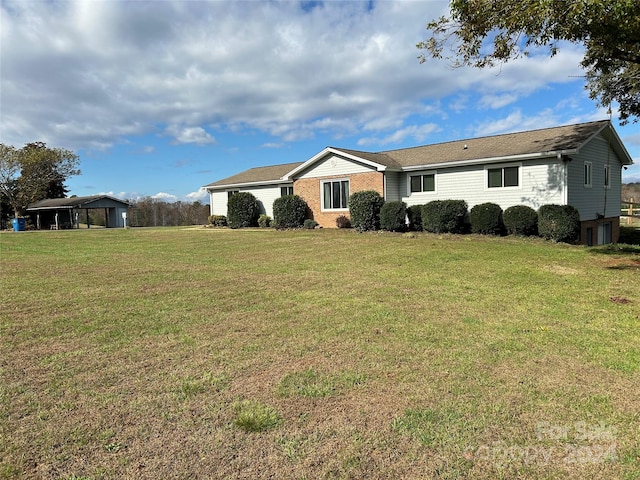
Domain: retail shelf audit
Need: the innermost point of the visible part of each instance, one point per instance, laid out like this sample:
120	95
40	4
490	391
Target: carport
57	213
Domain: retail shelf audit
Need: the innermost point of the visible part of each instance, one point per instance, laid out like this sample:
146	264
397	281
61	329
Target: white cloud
497	101
165	197
88	74
197	135
200	195
418	133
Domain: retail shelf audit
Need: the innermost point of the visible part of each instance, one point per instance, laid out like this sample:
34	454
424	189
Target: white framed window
335	194
286	190
503	176
588	175
231	192
607	178
422	183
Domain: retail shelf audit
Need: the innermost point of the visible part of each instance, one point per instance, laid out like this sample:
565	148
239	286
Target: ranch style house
578	165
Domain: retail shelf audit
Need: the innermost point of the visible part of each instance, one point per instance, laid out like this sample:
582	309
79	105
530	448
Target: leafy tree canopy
34	172
483	33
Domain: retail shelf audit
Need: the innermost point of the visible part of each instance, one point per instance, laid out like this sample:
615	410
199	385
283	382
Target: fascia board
480	161
227	186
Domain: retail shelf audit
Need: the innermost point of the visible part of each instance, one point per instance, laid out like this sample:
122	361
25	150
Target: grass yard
213	353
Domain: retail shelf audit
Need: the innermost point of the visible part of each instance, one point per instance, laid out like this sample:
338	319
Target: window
503	177
286	191
423	183
335	194
231	192
587	174
606	177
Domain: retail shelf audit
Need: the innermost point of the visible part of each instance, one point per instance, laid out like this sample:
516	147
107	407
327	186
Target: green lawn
214	353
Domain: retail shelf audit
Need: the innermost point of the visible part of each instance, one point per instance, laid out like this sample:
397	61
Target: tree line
36	171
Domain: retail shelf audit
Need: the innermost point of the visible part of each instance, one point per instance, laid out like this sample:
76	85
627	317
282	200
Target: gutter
477	161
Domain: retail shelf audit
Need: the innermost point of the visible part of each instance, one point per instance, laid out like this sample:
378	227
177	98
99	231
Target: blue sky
160	98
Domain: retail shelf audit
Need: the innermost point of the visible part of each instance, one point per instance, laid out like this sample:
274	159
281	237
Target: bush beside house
289	211
560	223
520	220
243	210
393	216
364	209
486	219
445	216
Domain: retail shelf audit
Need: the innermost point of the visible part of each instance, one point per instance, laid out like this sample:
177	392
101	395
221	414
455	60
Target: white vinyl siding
333	166
265	196
541	182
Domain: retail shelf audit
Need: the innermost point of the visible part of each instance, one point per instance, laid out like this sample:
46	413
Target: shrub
310	224
445	216
414	212
243	210
289	211
520	220
486	219
393	216
264	220
560	223
343	222
218	220
364	209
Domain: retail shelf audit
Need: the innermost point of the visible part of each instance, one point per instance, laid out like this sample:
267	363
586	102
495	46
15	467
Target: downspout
565	183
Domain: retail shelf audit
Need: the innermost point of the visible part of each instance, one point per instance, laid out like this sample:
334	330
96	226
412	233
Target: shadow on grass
629	242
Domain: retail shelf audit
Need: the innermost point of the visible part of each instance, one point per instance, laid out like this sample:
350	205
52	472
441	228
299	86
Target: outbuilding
57	213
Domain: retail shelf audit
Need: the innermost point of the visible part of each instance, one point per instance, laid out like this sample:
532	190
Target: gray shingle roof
543	141
548	140
267	174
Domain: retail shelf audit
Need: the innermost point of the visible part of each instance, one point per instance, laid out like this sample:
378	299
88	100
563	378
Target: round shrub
243	210
445	216
364	209
310	224
264	220
520	220
486	219
218	220
289	211
560	223
393	216
343	222
414	212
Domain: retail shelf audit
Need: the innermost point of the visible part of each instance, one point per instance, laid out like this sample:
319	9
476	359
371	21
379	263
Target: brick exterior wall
309	190
593	224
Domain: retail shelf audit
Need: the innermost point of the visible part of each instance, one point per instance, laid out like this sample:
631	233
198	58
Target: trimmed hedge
289	211
264	220
414	212
445	216
243	210
364	209
218	220
310	224
393	216
560	223
343	222
520	220
486	219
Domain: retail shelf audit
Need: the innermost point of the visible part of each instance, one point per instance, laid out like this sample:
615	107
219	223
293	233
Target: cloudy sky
159	97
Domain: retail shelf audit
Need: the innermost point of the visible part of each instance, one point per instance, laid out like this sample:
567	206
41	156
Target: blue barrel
18	224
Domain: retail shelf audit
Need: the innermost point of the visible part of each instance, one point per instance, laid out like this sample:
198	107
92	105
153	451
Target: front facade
578	165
